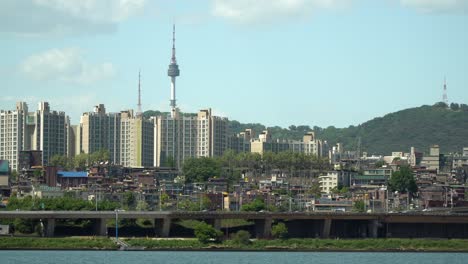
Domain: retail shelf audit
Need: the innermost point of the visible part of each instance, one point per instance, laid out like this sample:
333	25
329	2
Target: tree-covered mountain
420	127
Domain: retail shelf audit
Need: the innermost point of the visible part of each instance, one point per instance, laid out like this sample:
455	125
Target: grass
447	245
314	244
55	243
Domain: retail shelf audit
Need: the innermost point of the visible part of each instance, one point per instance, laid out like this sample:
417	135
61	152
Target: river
188	257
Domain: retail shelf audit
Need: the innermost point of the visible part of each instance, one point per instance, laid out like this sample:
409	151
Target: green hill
419	127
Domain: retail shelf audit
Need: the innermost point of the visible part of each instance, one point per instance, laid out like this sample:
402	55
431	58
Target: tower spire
173	72
139	111
173	59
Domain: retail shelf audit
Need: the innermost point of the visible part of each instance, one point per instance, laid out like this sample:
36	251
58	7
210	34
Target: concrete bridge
300	224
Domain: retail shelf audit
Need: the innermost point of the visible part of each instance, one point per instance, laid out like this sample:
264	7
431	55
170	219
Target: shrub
279	231
206	233
242	237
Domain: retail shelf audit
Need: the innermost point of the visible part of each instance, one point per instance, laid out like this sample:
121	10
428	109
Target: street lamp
117	223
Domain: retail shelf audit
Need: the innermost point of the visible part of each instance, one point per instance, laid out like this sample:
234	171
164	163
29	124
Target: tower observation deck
173	72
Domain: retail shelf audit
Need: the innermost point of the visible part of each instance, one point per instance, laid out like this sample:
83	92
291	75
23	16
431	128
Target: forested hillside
419	127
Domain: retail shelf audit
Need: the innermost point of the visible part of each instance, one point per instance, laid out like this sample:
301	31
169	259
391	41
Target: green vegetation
242	237
279	231
56	243
200	169
230	166
448	245
403	181
359	206
419	127
240	241
80	161
254	206
206	233
58	204
150	243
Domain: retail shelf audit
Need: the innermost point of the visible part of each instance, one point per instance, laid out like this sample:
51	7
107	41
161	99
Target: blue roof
73	174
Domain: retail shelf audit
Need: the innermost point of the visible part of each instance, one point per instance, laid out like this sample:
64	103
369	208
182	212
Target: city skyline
283	63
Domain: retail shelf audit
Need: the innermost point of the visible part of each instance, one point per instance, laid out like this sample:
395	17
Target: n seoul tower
173	72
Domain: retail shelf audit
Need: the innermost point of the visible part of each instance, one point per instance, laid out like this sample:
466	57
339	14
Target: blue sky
276	62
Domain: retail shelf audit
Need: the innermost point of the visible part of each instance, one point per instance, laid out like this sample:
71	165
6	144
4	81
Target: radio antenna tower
358	154
139	111
444	96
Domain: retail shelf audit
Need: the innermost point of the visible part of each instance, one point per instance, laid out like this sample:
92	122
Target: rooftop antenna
139	111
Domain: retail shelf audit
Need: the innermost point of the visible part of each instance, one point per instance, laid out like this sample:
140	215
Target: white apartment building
12	125
44	130
181	137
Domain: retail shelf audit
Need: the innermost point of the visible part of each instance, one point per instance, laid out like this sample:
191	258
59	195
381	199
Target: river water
188	257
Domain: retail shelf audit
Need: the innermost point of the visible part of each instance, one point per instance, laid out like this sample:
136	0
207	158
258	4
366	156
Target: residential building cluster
146	155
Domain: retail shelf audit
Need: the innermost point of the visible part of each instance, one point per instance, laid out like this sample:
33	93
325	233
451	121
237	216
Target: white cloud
437	6
38	17
65	65
248	11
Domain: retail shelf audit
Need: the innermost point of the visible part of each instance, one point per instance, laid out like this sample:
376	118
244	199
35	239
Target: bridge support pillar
100	227
263	228
326	227
50	227
216	223
162	227
373	228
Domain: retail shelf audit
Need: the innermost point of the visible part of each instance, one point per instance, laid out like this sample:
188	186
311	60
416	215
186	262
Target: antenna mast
444	96
139	111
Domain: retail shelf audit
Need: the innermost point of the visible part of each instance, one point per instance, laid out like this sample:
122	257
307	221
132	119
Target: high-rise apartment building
44	130
176	139
12	126
188	136
100	130
128	138
212	136
136	141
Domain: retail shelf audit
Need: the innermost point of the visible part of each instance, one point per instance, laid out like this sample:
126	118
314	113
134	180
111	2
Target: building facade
44	130
12	130
100	130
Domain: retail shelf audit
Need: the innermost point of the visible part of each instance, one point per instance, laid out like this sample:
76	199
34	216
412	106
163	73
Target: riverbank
68	243
358	245
350	245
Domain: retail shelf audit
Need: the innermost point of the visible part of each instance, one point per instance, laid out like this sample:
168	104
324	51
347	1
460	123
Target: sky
275	62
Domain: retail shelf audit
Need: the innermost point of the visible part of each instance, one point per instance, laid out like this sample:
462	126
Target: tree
454	106
359	206
464	107
403	180
279	231
254	206
200	169
98	156
80	161
129	199
142	206
59	161
14	175
206	233
379	163
242	237
441	105
315	190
